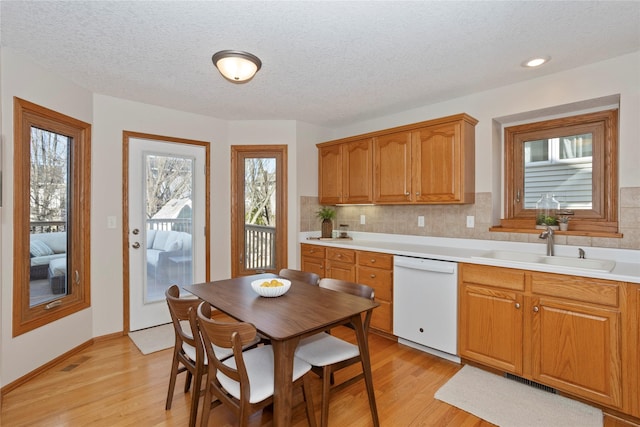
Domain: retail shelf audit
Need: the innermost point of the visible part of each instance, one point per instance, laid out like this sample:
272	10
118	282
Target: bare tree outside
260	187
168	178
49	176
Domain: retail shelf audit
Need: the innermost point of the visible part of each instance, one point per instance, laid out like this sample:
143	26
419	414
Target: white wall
620	75
25	80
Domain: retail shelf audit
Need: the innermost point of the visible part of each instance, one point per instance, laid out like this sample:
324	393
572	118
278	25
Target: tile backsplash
451	220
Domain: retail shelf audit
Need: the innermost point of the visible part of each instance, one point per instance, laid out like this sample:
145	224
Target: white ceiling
327	63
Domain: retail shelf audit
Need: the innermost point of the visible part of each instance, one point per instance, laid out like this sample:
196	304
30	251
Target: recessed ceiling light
536	62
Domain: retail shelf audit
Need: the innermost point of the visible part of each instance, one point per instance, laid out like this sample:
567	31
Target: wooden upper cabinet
443	162
392	168
345	173
430	162
330	174
357	164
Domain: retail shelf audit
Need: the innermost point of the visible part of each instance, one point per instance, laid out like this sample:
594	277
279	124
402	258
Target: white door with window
166	225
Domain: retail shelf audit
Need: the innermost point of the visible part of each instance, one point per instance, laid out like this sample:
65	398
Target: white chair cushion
259	363
324	349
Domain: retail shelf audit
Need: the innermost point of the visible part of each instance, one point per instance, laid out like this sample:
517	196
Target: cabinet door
576	348
437	163
490	327
341	271
392	168
357	178
330	174
313	265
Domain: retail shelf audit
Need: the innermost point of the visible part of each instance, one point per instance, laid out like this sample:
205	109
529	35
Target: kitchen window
52	170
575	159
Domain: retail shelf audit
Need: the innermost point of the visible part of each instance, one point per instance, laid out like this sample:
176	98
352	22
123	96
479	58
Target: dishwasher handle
421	264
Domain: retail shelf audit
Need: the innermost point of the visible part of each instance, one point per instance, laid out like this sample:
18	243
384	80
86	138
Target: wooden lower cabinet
376	270
369	268
561	331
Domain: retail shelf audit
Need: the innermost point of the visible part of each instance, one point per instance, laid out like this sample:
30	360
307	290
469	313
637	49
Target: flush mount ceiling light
236	66
536	62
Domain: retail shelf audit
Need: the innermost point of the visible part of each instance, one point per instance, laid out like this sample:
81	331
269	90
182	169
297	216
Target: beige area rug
507	403
154	339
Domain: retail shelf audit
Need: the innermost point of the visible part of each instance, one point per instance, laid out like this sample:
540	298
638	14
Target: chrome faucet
548	234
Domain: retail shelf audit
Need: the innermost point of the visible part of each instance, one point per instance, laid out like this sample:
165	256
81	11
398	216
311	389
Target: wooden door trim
282	203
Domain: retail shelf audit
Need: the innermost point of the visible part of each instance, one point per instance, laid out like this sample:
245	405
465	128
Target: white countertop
627	267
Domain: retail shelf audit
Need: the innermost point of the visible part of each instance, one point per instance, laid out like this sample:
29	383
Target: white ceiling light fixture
236	66
536	62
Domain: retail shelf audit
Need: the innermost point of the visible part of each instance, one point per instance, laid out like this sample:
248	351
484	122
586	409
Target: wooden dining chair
301	276
188	352
244	382
328	354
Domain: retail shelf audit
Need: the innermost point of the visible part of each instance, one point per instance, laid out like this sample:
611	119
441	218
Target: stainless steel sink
529	258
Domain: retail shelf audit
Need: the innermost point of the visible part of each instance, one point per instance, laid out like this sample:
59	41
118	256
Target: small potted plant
327	215
563	222
542	221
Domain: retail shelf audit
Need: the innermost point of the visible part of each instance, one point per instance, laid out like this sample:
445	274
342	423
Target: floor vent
530	383
72	366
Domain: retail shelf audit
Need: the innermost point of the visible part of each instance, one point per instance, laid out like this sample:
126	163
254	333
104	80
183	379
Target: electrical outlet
362	220
420	221
111	222
470	221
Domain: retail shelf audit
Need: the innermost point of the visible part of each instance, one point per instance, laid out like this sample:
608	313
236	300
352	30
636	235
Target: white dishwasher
425	305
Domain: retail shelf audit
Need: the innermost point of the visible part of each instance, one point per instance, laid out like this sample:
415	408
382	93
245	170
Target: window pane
260	213
536	151
575	147
560	166
169	182
49	176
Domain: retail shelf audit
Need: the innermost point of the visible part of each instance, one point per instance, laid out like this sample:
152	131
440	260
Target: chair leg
172	382
306	393
187	381
326	388
206	407
195	398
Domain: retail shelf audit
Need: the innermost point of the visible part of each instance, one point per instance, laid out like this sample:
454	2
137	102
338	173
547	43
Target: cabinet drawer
380	280
576	288
312	251
341	255
497	277
381	318
375	259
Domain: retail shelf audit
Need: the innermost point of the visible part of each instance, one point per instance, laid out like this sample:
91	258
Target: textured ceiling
328	63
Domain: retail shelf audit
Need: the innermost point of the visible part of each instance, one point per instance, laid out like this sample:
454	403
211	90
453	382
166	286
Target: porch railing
170	224
39	227
260	245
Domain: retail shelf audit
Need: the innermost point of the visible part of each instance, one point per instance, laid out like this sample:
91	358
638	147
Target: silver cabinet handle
517	305
535	309
136	245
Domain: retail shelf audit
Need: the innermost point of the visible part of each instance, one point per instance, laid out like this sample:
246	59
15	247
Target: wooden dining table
304	310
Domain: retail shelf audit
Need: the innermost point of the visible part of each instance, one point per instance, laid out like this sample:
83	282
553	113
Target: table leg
363	346
283	354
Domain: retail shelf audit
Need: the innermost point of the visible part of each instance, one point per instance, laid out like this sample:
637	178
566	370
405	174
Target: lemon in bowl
271	287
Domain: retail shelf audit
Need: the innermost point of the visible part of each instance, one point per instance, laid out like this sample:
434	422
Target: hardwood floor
112	383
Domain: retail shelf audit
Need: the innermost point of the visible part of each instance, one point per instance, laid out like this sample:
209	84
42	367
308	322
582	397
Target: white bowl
270	291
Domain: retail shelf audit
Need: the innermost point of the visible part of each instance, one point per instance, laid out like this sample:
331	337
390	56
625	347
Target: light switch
111	222
362	220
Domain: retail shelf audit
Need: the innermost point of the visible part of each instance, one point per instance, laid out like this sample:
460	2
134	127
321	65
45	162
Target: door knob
136	245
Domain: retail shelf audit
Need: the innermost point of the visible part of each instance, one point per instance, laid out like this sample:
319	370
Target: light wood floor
111	383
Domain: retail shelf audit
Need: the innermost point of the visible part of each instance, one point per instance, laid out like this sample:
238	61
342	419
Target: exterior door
258	209
166	230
